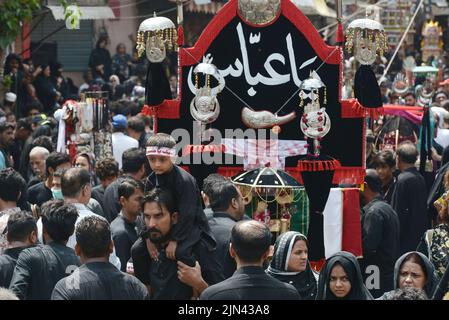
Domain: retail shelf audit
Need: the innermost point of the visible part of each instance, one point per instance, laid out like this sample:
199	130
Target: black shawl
351	266
305	282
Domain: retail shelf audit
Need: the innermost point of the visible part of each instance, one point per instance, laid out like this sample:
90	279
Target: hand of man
171	250
152	250
191	276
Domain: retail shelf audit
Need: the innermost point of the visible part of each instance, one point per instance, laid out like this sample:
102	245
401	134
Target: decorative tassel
373	113
318	165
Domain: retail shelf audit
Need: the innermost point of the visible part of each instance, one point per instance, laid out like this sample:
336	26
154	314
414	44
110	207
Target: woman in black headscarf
14	69
413	269
290	264
100	60
341	279
45	90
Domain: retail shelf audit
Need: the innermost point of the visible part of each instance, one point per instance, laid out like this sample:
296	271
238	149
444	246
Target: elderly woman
341	279
290	264
413	269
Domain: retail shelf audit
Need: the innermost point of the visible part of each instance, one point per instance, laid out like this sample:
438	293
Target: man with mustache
167	279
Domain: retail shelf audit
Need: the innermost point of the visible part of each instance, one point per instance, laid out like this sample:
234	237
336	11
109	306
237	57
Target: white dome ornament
155	36
315	123
366	38
205	107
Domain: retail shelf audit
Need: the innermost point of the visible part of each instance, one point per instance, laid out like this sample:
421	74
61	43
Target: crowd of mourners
137	226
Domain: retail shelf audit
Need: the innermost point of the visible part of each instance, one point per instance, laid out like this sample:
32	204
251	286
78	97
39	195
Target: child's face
160	164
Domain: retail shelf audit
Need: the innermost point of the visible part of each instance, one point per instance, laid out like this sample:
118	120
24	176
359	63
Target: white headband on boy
156	151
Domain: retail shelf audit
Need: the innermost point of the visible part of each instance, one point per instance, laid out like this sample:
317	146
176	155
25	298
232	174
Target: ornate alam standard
315	122
155	36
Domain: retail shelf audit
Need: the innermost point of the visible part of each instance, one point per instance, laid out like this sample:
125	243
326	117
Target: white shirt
121	143
83	212
442	137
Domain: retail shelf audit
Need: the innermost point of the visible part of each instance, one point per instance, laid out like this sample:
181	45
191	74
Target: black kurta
380	242
162	275
99	281
8	262
251	283
124	234
388	190
38	270
191	219
436	190
221	225
410	203
98	194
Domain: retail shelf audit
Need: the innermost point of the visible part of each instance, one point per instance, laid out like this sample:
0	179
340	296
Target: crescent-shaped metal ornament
264	119
205	117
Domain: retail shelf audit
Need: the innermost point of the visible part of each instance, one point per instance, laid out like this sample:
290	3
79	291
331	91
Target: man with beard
161	275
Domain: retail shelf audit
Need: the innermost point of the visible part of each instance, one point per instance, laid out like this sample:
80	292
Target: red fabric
115	6
169	109
295	173
352	230
352	108
26	42
180	36
189	149
340	37
185	168
348	110
349	175
413	109
317	265
229	171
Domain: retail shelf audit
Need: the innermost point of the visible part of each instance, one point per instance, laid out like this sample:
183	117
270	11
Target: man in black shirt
208	183
409	199
22	133
385	165
21	234
123	228
380	235
250	247
38	269
161	275
107	171
41	192
9	198
133	165
228	208
97	278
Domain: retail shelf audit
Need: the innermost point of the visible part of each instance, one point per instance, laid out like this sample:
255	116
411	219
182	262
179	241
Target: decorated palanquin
267	70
